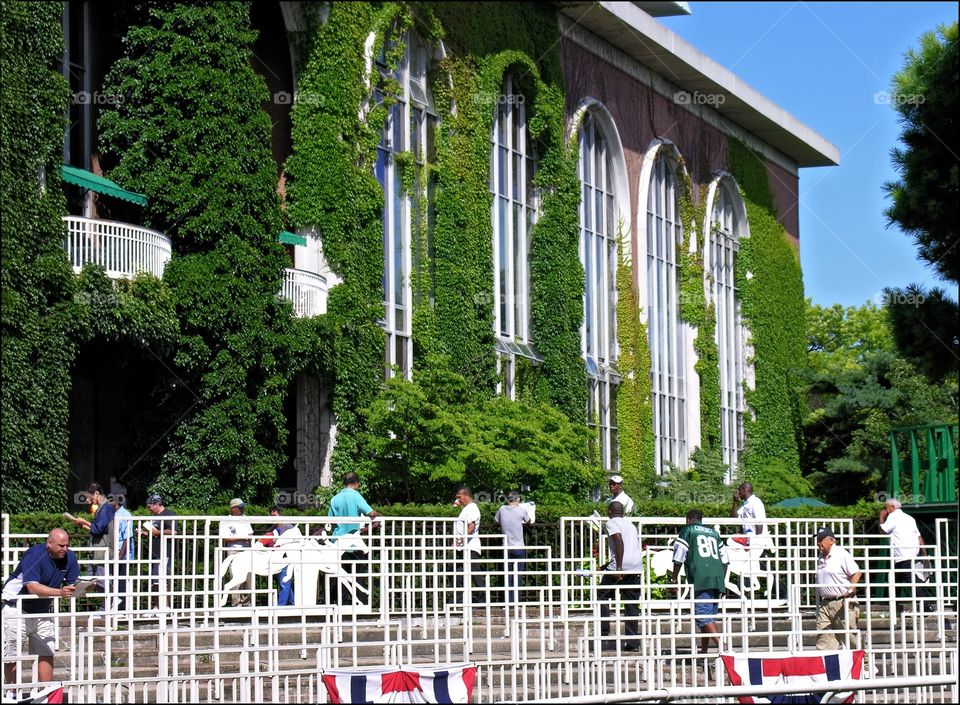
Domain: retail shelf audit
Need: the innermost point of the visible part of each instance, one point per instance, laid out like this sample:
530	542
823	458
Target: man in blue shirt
46	570
101	528
348	502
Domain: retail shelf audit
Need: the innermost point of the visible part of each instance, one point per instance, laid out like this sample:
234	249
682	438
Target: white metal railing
410	600
306	290
123	250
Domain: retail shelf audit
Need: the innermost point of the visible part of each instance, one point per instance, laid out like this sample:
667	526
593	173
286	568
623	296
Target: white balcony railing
306	290
122	249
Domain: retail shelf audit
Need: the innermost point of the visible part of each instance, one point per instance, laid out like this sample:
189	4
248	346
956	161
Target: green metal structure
937	475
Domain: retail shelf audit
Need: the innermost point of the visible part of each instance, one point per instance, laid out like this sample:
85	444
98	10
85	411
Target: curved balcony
306	290
122	249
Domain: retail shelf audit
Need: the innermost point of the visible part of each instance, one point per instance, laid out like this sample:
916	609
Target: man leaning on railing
46	570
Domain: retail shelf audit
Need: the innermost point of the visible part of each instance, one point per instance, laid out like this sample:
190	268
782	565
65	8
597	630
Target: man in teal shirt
348	502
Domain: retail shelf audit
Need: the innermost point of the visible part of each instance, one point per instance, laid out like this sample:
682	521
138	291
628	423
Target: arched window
514	211
726	227
407	216
667	334
598	254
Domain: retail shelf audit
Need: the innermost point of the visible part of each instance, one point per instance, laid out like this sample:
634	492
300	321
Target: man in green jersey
703	555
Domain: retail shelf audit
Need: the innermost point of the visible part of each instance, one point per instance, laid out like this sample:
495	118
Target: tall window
725	229
666	332
512	164
407	216
598	254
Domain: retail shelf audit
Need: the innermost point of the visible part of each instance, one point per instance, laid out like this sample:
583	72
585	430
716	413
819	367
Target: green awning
290	238
89	180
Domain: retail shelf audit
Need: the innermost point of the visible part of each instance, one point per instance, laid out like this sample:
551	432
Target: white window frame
599	221
724	230
675	394
414	103
513	214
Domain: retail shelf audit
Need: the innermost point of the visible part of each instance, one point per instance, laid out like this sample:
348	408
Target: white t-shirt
236	529
834	572
752	508
470	514
904	535
625	500
632	559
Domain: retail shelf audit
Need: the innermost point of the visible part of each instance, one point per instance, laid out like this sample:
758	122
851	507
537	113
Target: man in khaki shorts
46	571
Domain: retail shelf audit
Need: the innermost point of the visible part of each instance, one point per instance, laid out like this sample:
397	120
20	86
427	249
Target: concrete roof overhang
632	30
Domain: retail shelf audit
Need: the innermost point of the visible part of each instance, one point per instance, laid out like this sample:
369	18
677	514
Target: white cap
617	479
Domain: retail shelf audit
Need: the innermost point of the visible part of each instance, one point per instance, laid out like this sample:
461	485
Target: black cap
823	533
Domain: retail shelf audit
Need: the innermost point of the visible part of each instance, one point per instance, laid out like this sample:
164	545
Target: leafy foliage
431	434
771	286
634	397
333	189
925	325
857	390
925	198
192	137
39	317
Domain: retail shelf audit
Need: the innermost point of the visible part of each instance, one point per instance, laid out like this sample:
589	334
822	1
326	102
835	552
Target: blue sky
824	62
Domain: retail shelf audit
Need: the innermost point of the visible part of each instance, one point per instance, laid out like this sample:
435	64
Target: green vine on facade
634	396
771	289
39	318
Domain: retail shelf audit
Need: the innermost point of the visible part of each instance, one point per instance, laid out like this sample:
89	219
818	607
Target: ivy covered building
268	210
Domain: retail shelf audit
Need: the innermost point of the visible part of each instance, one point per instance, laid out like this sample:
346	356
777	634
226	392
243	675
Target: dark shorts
705	611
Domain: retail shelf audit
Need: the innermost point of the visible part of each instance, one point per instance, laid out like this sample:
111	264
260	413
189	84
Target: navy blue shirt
36	566
101	522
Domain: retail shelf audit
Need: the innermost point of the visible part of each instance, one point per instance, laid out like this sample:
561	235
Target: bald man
47	570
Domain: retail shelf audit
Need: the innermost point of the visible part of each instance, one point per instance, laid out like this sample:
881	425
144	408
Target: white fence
404	597
123	250
306	290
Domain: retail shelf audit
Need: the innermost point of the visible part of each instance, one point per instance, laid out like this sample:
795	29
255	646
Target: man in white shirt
751	508
906	546
467	530
750	512
837	578
627	561
616	490
236	534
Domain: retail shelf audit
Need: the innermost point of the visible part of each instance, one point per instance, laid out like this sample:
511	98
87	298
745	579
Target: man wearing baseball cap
616	489
236	534
837	578
160	532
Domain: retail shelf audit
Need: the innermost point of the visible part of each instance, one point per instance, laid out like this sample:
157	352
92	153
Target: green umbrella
801	502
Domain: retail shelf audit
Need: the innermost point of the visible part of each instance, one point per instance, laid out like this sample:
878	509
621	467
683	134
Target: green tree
925	198
428	435
857	389
925	325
